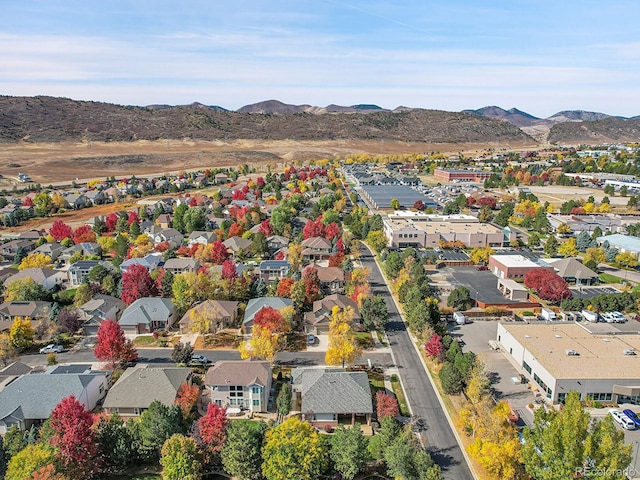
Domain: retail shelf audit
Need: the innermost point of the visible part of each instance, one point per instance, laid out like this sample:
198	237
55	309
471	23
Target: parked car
622	420
311	339
633	416
52	348
482	267
199	359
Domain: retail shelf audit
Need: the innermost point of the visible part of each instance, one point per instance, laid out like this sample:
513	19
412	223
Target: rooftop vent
630	351
571	353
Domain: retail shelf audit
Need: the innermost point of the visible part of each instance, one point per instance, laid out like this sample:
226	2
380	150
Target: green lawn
397	390
149	341
608	278
376	380
364	340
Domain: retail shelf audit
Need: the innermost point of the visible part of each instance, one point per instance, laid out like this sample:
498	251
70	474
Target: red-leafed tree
336	259
487	202
313	228
265	228
186	398
211	430
219	252
112	346
27	202
284	287
332	231
229	270
60	230
238	195
137	283
162	246
434	347
471	201
73	437
386	405
279	256
418	205
548	285
84	234
311	284
268	318
111	221
133	216
235	230
260	182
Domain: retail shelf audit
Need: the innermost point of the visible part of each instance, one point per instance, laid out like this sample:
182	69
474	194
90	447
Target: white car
622	420
51	348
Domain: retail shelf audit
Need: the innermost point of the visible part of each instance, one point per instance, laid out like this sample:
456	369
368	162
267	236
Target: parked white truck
590	316
459	318
548	315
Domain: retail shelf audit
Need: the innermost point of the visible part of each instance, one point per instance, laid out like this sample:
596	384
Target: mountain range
54	119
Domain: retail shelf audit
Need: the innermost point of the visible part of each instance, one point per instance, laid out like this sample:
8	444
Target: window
632	399
526	366
255	390
236	391
602	397
256	403
561	397
101	389
136	411
219	402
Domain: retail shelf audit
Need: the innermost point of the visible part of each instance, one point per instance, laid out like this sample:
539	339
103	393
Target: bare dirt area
49	163
558	194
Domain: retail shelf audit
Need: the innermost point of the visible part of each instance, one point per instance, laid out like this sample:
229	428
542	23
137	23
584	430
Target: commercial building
514	266
380	196
449	175
562	357
414	229
624	243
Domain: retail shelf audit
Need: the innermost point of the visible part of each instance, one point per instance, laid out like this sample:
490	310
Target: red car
482	267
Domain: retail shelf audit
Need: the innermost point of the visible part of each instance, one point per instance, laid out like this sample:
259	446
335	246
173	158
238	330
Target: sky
540	56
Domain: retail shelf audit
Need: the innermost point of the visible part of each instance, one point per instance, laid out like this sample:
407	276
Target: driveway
438	435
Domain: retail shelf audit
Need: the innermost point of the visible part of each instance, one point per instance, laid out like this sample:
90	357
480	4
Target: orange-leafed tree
186	398
284	287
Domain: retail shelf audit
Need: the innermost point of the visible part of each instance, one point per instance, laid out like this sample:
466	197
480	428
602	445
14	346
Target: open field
48	163
557	194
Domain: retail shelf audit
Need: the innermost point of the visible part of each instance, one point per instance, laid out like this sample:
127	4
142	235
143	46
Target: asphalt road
438	436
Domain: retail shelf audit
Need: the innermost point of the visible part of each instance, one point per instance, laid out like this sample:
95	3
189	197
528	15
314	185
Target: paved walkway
189	338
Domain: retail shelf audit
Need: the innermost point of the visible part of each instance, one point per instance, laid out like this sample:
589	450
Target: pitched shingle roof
256	304
239	372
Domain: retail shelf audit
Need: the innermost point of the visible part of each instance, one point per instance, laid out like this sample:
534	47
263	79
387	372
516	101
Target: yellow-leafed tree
35	260
21	332
262	344
342	340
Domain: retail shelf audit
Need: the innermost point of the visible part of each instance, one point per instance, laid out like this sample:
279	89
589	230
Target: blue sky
540	56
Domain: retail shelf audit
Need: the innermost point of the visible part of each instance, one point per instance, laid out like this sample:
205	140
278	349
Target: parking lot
482	284
452	255
588	292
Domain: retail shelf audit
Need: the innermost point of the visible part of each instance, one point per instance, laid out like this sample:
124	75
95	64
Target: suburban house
53	250
573	271
203	238
317	320
6	273
170	235
164	220
277	242
37	311
243	384
148	314
220	314
29	399
328	397
96	197
236	245
274	270
79	271
150	262
220	178
141	385
257	304
49	278
10	249
77	200
332	279
101	307
87	249
316	248
181	265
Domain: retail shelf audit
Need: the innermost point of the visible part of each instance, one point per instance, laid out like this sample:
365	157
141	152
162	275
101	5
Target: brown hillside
50	119
609	130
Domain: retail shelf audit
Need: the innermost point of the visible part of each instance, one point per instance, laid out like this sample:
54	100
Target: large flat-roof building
514	266
561	357
450	175
624	243
413	229
380	196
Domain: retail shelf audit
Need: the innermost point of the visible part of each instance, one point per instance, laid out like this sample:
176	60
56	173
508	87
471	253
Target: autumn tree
35	260
377	240
548	285
568	248
284	287
60	230
242	451
137	283
112	346
186	398
606	450
217	252
262	344
28	461
481	254
342	341
386	405
83	234
209	432
293	449
434	348
180	459
21	332
74	438
25	290
7	350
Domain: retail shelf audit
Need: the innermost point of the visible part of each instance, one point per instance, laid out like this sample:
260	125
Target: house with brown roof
36	310
316	248
220	314
10	249
317	320
332	279
237	245
240	384
181	265
141	385
573	271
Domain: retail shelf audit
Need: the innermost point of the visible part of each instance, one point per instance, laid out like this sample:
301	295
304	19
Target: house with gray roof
47	277
201	237
10	249
573	271
181	265
237	245
240	384
53	250
141	385
257	304
29	399
150	262
101	307
148	314
274	270
79	271
327	397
